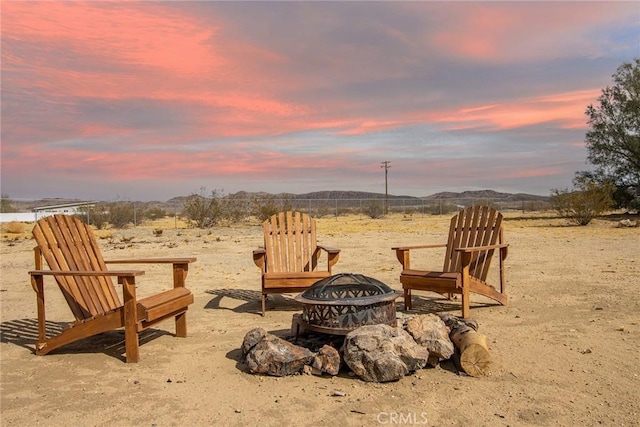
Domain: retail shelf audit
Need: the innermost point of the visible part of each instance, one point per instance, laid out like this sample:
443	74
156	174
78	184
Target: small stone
339	394
327	360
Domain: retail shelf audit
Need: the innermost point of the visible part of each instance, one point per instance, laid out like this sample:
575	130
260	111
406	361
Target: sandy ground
565	349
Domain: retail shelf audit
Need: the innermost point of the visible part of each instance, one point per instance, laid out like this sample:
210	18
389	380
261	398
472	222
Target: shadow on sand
24	333
251	300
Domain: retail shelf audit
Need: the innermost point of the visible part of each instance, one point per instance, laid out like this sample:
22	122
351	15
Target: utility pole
386	167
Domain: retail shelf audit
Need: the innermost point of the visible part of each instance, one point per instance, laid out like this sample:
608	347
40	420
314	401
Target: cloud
301	96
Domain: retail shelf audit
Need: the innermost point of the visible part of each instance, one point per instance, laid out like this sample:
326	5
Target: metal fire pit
341	303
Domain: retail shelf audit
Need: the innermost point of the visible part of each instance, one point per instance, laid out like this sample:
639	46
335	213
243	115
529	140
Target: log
474	354
471	345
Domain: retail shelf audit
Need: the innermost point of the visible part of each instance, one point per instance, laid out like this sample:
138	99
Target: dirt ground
565	348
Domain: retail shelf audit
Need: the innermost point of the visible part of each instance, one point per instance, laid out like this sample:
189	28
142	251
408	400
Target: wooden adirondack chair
474	235
75	261
289	259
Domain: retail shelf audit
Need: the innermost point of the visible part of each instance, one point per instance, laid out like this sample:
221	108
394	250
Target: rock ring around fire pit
343	302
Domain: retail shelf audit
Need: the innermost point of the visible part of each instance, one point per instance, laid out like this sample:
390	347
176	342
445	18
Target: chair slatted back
290	242
474	226
67	244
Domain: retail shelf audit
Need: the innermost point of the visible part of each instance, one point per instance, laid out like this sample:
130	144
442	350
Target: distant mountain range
169	205
487	194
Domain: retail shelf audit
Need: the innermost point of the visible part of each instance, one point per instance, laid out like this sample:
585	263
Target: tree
614	139
588	200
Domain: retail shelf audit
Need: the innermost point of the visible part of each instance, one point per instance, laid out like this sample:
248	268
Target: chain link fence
374	207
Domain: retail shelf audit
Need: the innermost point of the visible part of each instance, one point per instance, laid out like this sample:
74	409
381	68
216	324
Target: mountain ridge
316	195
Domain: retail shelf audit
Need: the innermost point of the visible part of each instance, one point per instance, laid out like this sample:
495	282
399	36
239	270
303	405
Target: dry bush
14	227
103	234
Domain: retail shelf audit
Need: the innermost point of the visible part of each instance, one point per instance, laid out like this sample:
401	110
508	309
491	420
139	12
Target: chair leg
181	325
130	319
407	299
465	302
466	261
131	346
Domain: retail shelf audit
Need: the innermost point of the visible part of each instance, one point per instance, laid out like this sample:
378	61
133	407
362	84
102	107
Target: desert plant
97	215
234	208
14	227
202	211
588	200
121	214
154	213
262	207
374	209
6	204
613	142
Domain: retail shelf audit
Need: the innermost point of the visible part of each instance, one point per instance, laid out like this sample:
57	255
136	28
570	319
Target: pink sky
151	100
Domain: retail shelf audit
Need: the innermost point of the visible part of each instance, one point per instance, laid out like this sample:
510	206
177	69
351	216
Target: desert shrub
324	209
202	211
120	214
14	227
234	208
262	207
374	209
6	204
97	215
588	200
154	213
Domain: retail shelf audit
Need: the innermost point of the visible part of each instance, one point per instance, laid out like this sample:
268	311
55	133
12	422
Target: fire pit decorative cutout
341	303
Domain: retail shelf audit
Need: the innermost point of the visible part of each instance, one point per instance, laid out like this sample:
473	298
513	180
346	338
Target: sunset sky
151	100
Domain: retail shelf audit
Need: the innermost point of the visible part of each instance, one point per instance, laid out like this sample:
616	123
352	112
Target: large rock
380	353
430	331
274	356
252	338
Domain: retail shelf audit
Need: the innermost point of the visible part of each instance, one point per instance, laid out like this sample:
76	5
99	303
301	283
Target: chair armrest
332	255
403	253
125	277
482	248
406	248
117	273
328	249
259	258
466	252
152	261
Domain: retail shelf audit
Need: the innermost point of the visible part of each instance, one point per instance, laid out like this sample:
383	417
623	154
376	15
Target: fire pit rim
360	301
387	293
